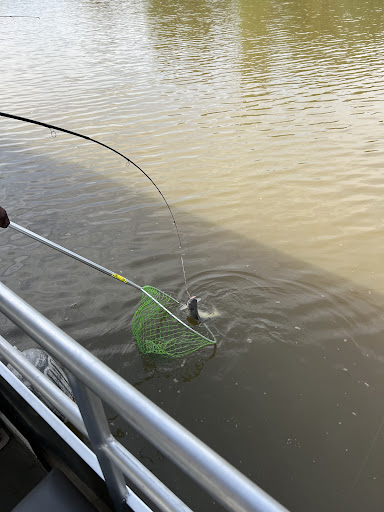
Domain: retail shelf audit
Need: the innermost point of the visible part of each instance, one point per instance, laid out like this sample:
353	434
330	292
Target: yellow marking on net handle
120	278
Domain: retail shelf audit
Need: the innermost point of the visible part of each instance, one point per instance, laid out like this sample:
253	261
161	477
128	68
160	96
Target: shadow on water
292	396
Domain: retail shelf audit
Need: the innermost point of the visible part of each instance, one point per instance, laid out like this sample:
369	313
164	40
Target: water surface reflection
260	122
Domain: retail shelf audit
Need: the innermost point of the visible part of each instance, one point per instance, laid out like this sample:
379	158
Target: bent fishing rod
54	128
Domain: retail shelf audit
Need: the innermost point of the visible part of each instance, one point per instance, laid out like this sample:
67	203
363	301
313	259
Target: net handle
72	254
98	267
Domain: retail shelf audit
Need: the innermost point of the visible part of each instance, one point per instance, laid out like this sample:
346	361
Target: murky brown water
262	124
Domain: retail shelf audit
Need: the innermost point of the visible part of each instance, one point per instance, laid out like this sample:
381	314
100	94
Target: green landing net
157	331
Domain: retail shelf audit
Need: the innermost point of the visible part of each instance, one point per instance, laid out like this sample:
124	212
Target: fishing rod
54	128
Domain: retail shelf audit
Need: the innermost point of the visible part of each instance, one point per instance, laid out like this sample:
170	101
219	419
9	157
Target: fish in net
157	330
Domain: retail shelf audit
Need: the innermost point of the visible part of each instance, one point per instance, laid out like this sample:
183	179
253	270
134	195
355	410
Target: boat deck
32	451
19	468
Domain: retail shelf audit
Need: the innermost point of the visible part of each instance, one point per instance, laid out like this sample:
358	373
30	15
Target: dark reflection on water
256	119
292	396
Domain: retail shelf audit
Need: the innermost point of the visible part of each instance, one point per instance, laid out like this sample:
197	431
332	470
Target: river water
262	124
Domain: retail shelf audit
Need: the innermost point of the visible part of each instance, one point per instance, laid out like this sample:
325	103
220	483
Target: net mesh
156	331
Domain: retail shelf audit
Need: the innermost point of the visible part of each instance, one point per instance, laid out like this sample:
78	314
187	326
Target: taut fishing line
129	161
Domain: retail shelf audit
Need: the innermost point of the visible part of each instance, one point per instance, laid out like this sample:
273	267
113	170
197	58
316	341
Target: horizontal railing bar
233	489
133	469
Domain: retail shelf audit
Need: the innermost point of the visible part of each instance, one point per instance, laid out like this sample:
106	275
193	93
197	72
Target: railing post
95	421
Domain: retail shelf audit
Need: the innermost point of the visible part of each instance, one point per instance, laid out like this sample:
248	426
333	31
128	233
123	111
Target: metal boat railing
92	381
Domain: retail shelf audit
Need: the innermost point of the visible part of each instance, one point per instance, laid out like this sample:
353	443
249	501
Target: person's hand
4	221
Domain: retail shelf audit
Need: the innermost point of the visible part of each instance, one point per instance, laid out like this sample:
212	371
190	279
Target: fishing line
53	128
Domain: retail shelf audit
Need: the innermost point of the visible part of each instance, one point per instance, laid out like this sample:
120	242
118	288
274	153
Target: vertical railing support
95	421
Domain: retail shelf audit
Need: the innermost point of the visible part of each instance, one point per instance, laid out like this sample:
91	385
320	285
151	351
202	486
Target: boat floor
19	469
